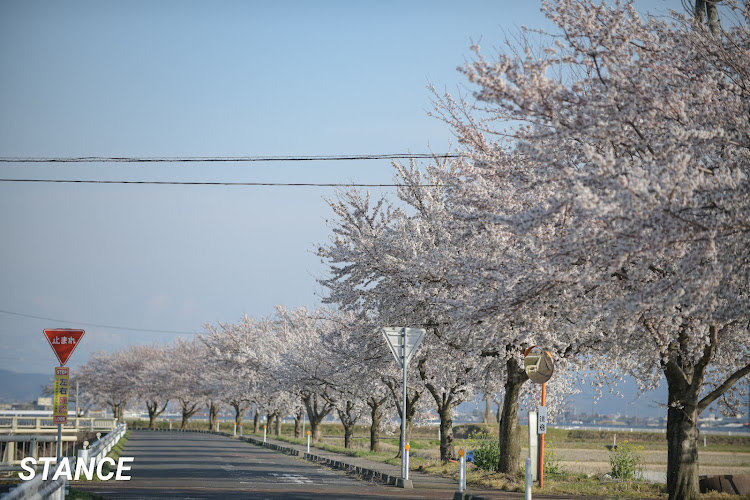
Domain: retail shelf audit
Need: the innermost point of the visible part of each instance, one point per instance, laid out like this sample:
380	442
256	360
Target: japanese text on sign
60	395
541	423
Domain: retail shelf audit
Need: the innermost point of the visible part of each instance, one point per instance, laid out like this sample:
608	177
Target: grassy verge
424	445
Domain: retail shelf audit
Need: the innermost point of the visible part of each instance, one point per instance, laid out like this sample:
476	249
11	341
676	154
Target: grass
424	444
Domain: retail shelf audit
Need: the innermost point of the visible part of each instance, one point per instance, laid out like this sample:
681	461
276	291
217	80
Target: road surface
200	466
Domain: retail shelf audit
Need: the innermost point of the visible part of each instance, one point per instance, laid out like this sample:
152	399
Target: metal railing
40	425
15	447
39	488
101	447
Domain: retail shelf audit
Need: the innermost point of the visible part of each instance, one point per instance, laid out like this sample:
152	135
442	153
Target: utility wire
97	325
224	159
214	159
198	183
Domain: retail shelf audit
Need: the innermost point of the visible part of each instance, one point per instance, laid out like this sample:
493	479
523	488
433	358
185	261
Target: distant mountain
21	387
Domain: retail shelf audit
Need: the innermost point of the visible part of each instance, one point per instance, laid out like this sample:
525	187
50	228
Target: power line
224	159
97	325
199	183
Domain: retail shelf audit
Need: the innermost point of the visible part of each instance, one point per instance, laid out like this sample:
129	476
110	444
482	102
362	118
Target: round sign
538	364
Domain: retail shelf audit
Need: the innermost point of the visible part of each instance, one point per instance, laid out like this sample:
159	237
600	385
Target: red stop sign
63	341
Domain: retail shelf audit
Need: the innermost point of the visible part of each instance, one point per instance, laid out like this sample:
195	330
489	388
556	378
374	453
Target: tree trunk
444	402
685	380
269	418
707	7
154	412
239	411
188	410
682	454
277	426
316	412
117	410
510	429
298	424
411	410
348	435
256	420
375	416
447	451
348	420
213	415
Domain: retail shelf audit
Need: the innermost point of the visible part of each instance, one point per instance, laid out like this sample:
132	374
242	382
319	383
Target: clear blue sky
189	78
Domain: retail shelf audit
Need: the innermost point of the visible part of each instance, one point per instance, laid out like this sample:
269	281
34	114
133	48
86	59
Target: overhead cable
201	183
223	159
97	325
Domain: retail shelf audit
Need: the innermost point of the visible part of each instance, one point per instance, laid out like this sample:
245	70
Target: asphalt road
199	466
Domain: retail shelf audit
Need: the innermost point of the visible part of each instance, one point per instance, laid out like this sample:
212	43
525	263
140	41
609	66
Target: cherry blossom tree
303	361
637	129
104	374
233	351
395	263
187	358
150	379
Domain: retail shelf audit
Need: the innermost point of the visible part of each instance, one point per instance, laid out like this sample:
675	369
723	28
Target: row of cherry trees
600	208
298	362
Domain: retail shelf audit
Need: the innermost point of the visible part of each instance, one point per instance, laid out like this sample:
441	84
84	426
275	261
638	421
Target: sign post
539	366
63	342
403	342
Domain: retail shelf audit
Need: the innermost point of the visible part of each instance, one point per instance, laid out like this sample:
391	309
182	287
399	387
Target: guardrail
39	488
102	446
40	425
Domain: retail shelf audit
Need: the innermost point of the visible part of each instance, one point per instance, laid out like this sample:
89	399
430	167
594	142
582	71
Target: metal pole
59	443
403	404
406	454
461	471
527	495
541	441
77	405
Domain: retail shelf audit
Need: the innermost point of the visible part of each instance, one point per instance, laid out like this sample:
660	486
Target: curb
364	473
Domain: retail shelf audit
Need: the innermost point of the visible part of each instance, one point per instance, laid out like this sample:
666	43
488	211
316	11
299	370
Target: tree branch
728	383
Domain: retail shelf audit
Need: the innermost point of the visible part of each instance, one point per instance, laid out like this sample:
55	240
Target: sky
146	263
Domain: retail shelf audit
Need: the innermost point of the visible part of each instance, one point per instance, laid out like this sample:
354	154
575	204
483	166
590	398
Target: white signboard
403	342
541	423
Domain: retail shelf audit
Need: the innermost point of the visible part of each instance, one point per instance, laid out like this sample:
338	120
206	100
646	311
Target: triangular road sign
403	342
63	341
